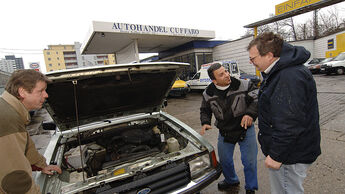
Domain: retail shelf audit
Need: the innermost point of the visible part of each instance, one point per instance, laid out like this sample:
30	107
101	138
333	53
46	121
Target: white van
201	80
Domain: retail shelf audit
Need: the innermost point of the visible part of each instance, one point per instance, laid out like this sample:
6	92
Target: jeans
288	179
249	152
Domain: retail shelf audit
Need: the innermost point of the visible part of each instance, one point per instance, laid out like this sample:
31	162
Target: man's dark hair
25	78
267	42
213	68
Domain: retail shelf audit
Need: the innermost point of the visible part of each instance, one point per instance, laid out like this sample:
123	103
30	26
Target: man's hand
204	128
247	121
270	163
50	168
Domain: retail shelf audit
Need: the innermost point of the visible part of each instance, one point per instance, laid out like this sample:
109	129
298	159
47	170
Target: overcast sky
29	26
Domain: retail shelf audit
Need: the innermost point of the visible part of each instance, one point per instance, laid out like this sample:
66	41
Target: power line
8	52
16	49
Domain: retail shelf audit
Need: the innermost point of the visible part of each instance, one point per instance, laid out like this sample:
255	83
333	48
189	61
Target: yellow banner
292	5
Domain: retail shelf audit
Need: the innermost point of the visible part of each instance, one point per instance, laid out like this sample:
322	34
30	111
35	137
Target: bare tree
288	24
329	21
325	21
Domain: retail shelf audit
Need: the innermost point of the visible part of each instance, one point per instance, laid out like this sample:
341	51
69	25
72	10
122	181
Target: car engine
103	149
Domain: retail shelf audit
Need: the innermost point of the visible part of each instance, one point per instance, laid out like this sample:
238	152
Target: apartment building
59	57
7	65
18	61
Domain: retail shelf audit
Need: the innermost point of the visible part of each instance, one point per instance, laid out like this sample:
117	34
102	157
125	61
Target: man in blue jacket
288	114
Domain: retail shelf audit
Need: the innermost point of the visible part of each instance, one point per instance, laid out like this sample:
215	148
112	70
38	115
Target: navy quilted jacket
288	111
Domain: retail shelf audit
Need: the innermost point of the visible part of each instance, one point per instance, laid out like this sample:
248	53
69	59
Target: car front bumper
179	91
202	182
328	70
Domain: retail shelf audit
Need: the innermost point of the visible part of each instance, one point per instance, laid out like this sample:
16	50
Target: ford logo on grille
144	191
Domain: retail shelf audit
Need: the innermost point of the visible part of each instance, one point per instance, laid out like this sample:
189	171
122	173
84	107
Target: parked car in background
316	68
179	88
337	65
253	78
112	136
313	61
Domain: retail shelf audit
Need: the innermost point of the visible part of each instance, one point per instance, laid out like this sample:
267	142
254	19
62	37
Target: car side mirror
50	126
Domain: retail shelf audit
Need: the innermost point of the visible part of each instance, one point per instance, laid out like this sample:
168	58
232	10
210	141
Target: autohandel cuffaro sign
292	5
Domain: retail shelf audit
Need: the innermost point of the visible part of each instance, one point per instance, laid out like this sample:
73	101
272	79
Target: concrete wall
309	45
338	44
319	48
235	50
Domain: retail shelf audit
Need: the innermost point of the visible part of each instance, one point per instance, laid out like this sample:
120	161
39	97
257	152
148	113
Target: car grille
169	179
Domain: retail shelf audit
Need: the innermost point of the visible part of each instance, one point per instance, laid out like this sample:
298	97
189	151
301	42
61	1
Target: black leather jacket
228	107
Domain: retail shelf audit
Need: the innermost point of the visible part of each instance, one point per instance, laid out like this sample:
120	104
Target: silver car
112	136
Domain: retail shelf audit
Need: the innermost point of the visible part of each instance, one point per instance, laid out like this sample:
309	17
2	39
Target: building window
50	65
58	58
57	52
58	64
48	53
49	59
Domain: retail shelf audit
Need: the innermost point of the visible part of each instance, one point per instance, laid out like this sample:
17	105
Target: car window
327	60
340	57
196	76
234	68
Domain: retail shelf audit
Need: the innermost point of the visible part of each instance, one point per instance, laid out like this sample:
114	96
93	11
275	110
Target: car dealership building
194	46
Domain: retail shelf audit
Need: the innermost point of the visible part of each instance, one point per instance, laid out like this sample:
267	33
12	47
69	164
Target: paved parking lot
327	174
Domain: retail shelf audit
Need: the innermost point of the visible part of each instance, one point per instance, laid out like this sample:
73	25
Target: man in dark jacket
289	131
233	103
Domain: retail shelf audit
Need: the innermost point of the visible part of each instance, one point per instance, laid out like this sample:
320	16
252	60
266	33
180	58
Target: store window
204	58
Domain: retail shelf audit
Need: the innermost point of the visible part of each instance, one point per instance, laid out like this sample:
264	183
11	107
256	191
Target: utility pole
316	30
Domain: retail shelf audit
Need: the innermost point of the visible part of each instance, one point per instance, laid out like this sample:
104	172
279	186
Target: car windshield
327	60
196	76
340	57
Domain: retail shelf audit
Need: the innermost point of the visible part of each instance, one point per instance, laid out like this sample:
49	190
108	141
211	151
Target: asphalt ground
327	173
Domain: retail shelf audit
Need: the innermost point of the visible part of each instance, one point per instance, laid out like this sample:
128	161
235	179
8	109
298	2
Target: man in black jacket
289	131
233	103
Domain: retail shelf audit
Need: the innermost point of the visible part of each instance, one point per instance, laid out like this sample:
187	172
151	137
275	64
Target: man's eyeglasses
252	59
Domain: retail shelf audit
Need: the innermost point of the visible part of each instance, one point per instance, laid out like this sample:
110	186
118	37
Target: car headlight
199	164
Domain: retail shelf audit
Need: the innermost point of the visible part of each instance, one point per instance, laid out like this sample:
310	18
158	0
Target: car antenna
75	82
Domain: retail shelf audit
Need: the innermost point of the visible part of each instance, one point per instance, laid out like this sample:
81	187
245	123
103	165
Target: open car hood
109	91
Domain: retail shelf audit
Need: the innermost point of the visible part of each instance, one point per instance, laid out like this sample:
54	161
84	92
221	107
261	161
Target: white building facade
7	65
